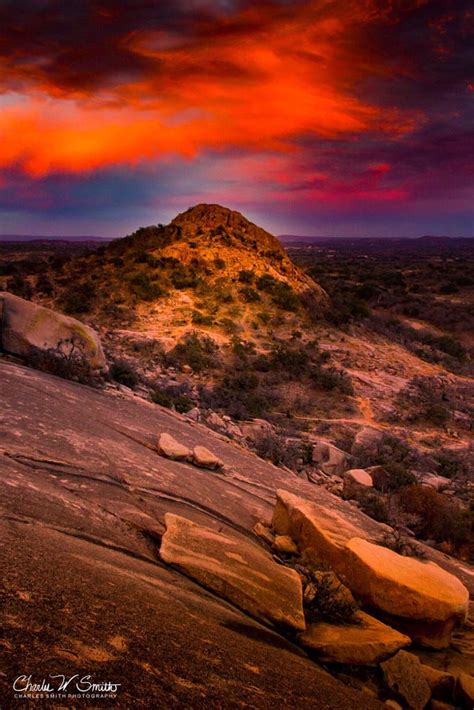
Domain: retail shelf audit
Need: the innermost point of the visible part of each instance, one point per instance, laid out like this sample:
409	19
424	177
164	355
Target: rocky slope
84	499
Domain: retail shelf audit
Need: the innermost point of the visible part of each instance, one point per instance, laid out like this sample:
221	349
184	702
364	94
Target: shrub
452	465
197	351
330	378
242	396
123	372
20	287
329	604
395	475
172	399
44	285
79	298
67	360
374	506
438	518
250	295
182	277
293	361
246	277
266	282
142	286
276	449
285	297
199	318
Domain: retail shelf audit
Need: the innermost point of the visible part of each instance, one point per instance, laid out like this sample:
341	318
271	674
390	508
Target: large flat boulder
329	458
367	643
412	589
25	326
319	532
421	599
237	570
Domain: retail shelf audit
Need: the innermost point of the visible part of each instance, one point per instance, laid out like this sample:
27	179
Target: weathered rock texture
404	676
25	325
172	449
83	497
423	599
366	643
206	459
412	589
237	570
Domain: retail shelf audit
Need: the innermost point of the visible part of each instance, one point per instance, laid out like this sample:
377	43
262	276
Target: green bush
246	277
438	518
124	373
67	360
250	295
172	400
144	288
198	351
79	298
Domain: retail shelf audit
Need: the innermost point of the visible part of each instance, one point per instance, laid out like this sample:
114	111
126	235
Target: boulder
264	532
255	428
204	458
367	438
403	675
359	476
441	683
215	420
464	692
235	569
25	326
440	705
234	430
430	600
284	543
393	705
423	600
172	449
329	458
436	482
319	532
356	480
365	643
194	414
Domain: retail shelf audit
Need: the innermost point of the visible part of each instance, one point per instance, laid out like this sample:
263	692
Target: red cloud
257	80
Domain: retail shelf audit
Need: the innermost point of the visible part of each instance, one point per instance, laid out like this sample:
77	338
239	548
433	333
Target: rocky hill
210	266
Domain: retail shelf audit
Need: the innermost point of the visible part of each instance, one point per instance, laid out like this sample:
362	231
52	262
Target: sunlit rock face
25	325
419	597
238	570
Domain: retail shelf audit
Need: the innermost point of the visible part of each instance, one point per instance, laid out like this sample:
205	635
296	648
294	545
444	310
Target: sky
314	117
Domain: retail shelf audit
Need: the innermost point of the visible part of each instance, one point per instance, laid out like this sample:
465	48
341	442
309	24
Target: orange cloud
257	79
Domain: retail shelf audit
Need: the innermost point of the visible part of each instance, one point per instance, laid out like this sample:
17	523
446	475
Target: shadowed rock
403	674
239	571
366	643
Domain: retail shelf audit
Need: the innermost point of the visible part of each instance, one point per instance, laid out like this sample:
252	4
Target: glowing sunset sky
310	116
